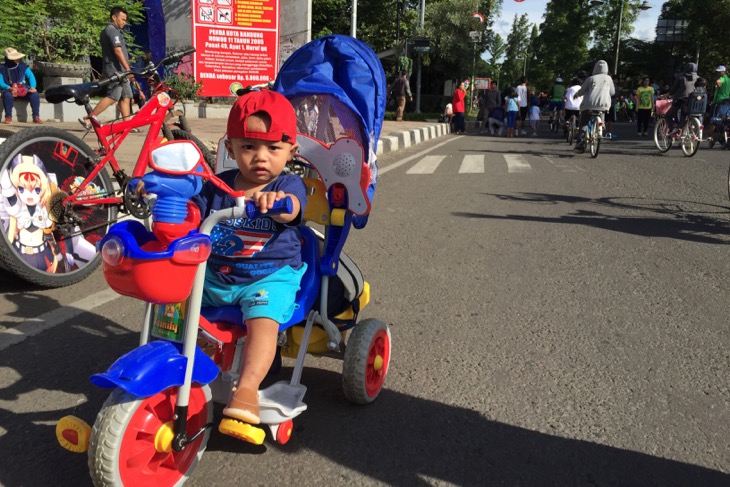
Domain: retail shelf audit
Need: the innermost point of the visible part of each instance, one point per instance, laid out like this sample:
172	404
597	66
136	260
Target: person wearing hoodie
596	91
683	86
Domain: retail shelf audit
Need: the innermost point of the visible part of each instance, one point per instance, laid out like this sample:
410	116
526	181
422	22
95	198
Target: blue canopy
345	68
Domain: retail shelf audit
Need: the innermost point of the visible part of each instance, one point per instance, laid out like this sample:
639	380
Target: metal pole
618	35
421	19
353	27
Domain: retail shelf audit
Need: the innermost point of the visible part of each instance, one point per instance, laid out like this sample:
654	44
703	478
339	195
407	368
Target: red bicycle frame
112	134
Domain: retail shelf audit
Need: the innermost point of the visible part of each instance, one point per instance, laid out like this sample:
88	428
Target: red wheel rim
379	352
139	462
283	434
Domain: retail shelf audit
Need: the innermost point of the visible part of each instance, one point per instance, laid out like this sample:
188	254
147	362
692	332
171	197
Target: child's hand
265	200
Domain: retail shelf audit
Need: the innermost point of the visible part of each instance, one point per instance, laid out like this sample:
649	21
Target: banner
236	42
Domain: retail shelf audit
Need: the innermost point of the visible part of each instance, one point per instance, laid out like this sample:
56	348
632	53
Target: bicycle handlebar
172	58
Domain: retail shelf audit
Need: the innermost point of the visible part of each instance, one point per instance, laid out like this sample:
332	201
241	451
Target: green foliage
519	50
59	30
405	63
184	84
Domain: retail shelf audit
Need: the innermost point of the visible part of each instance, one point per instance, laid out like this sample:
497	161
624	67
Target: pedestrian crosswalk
480	163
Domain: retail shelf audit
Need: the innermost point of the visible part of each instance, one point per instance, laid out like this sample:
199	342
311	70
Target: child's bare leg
258	354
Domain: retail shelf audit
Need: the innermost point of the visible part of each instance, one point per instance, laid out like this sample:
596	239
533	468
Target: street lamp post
644	6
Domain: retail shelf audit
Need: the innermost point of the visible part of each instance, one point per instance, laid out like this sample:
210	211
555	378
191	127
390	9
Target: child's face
259	161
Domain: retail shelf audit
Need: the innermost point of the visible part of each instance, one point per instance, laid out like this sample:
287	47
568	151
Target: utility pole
421	21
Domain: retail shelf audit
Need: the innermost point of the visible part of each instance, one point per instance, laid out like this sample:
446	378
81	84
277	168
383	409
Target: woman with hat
18	81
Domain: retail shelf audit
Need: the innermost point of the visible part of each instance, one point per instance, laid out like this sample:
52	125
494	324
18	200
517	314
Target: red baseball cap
283	119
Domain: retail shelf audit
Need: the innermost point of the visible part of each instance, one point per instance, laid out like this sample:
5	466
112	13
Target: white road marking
472	164
28	327
564	167
516	163
427	165
383	170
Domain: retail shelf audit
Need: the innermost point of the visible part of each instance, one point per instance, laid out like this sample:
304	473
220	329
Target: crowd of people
519	109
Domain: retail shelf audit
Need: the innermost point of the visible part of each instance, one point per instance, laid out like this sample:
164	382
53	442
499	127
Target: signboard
236	42
481	83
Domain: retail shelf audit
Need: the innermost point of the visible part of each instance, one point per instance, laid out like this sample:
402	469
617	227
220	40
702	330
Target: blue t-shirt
248	249
512	105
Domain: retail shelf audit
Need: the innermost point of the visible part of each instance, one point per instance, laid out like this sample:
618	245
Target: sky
643	28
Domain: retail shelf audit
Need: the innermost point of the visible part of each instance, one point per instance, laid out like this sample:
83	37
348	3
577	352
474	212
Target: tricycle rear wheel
367	358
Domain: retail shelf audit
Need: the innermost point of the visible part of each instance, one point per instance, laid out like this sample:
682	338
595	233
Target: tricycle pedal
242	431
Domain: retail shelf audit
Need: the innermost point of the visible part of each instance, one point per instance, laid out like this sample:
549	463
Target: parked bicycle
58	199
689	133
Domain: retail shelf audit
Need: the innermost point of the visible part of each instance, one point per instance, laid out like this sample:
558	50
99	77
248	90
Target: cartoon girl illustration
26	188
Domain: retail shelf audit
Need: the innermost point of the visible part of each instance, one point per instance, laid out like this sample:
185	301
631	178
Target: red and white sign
236	42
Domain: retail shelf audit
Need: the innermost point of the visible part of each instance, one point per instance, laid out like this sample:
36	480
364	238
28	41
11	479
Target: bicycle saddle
77	93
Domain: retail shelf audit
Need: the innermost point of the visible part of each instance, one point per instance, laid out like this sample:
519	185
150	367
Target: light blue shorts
271	297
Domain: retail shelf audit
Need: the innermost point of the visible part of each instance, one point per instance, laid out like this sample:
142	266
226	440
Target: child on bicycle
256	262
572	105
596	91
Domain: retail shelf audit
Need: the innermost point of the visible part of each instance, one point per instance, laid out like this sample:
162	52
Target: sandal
86	124
135	130
244	406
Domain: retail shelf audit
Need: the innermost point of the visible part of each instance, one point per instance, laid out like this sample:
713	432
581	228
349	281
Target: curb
403	139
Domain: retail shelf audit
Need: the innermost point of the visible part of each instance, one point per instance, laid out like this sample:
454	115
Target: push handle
284	205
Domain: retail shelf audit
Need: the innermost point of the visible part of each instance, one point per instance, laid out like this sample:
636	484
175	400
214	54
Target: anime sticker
26	186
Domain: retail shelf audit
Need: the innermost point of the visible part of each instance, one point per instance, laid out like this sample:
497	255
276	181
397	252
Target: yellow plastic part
378	363
318	208
338	217
364	299
164	437
73	434
242	431
318	338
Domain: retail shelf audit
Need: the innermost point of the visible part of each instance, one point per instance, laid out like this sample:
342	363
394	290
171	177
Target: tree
496	49
562	45
59	30
518	50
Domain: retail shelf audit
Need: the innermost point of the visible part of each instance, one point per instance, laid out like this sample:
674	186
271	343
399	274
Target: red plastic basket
135	264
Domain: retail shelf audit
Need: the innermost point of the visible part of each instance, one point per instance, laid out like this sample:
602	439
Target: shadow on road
398	440
42	380
676	219
410	441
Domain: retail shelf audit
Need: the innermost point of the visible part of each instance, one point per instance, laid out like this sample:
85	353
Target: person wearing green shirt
720	100
645	105
722	85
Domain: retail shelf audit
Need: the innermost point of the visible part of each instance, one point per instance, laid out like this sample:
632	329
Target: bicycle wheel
594	142
572	122
42	241
662	140
178	134
691	137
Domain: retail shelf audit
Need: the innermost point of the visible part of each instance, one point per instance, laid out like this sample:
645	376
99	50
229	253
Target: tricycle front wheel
131	443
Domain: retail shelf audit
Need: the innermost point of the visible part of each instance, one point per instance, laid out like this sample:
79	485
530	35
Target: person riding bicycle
572	105
597	91
556	96
683	86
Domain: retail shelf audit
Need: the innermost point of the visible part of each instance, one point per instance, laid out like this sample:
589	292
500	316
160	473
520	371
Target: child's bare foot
244	406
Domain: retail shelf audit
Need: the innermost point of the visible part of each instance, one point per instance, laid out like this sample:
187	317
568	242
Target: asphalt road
556	320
